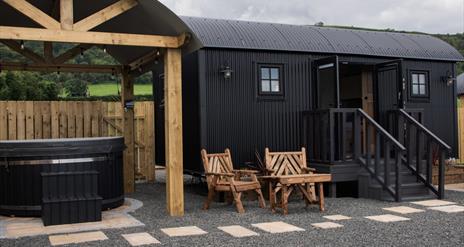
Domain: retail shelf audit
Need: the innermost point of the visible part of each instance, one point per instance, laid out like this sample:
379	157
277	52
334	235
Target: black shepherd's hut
364	103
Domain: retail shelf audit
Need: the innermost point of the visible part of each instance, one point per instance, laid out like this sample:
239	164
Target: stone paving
278	227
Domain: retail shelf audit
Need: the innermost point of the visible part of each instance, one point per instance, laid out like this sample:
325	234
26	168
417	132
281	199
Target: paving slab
277	227
337	217
387	218
183	231
433	203
449	209
327	225
139	239
238	231
77	238
404	210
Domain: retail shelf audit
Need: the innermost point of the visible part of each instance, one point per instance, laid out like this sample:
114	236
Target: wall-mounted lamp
449	79
227	72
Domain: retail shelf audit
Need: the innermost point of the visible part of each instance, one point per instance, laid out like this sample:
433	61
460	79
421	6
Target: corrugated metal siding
440	111
215	33
237	119
221	113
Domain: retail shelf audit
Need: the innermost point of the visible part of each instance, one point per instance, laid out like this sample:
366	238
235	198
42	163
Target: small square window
270	79
419	84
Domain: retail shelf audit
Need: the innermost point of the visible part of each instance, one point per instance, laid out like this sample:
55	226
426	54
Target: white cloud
433	16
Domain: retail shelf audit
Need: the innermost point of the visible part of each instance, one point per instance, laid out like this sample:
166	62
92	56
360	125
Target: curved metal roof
460	84
270	36
148	17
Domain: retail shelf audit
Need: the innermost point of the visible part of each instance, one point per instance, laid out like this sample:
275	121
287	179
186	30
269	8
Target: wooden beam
74	68
183	39
173	132
48	52
27	53
66	14
104	15
127	95
34	13
100	38
141	61
72	53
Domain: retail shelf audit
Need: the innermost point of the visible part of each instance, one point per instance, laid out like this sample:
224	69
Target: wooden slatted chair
221	177
287	171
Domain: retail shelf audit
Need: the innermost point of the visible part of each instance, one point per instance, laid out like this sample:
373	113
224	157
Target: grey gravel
431	228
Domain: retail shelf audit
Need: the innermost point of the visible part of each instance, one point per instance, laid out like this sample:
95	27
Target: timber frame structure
59	26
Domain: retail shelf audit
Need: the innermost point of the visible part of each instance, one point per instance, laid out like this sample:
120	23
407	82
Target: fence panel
21	120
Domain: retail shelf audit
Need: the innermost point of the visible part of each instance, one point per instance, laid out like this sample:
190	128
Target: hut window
419	84
270	80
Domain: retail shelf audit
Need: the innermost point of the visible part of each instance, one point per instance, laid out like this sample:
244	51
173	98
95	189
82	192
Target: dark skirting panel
22	164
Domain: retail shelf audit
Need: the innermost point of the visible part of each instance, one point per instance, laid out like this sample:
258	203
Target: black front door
327	82
389	89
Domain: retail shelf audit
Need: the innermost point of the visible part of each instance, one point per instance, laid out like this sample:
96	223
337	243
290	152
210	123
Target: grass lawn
108	89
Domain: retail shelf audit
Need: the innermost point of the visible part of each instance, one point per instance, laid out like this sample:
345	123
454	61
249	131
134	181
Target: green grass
108	89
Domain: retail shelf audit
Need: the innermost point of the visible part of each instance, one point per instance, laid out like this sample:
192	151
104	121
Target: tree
76	87
26	86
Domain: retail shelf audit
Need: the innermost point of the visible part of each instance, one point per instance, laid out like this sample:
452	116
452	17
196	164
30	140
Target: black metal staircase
395	165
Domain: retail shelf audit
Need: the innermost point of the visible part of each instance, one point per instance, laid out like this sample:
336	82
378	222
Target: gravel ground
431	228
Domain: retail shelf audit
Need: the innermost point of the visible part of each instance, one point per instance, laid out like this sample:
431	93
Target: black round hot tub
24	163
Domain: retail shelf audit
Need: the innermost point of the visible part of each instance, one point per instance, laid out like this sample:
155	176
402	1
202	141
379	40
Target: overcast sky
433	16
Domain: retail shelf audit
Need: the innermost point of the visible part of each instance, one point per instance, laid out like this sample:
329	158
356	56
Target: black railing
341	135
380	153
329	135
424	149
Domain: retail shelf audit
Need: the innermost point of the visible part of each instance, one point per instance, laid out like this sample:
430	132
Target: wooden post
173	125
66	14
127	95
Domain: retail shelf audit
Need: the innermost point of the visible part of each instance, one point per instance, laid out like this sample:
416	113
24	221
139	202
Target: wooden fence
24	120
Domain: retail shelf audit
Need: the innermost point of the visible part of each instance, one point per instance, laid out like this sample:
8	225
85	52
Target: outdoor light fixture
82	52
104	48
449	79
227	72
22	45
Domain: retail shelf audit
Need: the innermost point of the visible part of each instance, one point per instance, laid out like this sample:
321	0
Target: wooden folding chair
287	171
221	177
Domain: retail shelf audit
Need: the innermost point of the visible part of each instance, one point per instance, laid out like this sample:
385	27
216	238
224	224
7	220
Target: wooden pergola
59	26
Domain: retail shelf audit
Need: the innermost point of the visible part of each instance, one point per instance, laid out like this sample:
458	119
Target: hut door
389	89
327	82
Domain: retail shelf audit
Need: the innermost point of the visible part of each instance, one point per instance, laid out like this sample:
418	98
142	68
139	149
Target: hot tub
23	163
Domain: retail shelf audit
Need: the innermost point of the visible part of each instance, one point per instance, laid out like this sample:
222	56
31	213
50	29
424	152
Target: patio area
347	222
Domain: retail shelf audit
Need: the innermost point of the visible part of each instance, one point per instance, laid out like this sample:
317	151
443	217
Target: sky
431	16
